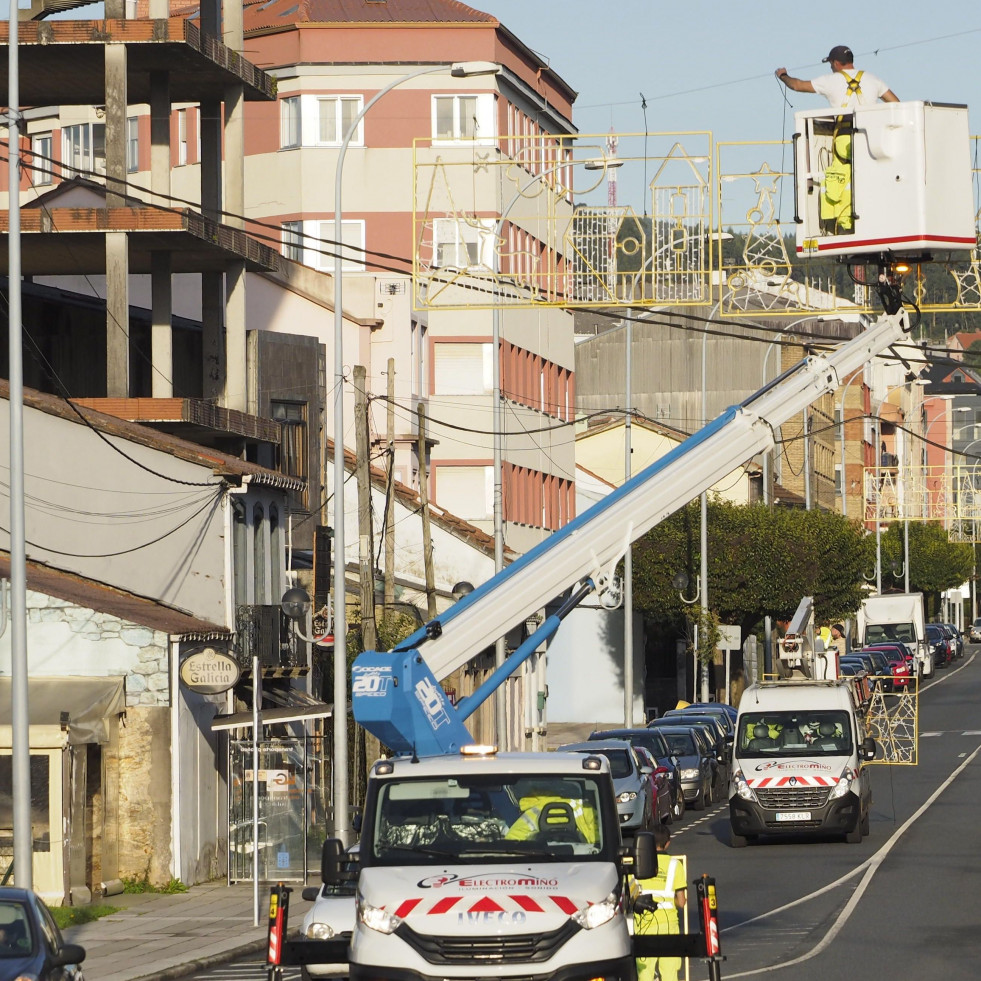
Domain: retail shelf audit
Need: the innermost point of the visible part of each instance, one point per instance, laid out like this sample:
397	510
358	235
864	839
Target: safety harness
854	86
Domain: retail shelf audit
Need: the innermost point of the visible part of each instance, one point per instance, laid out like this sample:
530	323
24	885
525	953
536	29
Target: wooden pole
390	499
365	538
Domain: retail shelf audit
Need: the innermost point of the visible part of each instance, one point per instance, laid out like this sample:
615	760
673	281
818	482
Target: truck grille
793	798
526	948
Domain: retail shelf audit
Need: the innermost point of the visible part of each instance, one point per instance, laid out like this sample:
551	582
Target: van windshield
824	733
491	818
884	633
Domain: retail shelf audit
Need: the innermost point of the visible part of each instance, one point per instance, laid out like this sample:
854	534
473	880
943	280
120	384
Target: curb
202	963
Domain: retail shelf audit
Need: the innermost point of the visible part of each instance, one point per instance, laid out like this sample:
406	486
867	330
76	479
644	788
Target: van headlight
319	931
843	785
590	917
742	788
376	919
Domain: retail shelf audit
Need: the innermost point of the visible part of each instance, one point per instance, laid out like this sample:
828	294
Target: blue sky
708	64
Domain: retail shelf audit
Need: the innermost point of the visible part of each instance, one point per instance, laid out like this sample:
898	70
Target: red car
900	663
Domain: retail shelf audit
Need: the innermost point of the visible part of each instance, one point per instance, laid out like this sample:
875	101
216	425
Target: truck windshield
884	633
491	818
826	733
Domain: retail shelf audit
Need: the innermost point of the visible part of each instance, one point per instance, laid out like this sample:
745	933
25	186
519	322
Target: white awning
79	704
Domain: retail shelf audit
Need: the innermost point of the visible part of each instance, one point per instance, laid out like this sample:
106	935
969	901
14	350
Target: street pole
19	693
628	592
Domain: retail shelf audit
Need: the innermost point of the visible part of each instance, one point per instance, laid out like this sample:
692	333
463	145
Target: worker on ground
843	87
658	908
838	639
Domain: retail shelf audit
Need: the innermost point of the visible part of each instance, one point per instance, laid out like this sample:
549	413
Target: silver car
331	917
631	781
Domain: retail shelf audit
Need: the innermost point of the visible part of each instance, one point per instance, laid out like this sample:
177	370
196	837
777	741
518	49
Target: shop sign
209	672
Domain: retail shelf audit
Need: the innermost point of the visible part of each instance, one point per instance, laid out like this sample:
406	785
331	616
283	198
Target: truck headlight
376	919
320	931
690	774
741	787
844	783
590	917
627	796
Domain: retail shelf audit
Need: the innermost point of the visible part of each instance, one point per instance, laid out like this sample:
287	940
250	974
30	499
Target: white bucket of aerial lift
891	178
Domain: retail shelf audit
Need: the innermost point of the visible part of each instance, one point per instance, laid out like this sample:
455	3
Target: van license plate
793	815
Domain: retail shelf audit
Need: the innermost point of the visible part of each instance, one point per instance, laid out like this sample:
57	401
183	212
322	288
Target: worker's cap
842	53
839	627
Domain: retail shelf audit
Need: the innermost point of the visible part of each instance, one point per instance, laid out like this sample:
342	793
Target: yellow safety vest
531	808
662	887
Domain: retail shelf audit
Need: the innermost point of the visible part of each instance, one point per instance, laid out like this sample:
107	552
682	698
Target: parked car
974	634
663	794
862	686
882	668
940	645
331	916
900	663
721	748
727	721
729	710
696	762
635	801
957	637
656	745
31	945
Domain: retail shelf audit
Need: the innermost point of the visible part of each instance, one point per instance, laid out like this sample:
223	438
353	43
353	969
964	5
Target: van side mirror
645	855
330	861
868	748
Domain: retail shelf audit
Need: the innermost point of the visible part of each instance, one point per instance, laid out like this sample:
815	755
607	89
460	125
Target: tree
761	562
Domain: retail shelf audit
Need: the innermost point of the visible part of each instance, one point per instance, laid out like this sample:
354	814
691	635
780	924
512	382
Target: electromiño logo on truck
488	882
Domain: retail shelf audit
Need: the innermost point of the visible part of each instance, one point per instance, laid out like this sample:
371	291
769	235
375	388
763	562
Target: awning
291	705
88	702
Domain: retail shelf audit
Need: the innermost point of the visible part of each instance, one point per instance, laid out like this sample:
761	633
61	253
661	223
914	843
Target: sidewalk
168	936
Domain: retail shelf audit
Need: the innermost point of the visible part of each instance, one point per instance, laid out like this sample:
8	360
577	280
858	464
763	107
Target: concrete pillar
213	336
161	336
117	315
116	105
236	391
160	137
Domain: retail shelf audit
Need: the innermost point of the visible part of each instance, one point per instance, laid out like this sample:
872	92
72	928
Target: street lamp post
340	761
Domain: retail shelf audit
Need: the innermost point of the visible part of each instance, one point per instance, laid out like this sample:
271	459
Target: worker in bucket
844	87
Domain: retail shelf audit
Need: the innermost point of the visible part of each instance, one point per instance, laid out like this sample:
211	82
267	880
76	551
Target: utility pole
365	550
427	541
390	496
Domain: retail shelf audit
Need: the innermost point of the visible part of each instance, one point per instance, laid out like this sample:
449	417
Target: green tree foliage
935	562
762	561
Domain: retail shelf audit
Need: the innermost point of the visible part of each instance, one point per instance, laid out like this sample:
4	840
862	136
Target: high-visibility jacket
531	808
836	199
662	887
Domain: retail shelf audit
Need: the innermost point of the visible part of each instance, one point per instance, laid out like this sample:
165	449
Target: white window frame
445	471
483	133
132	144
290	122
325	232
455	368
463	243
85	159
181	137
292	232
43	172
337	137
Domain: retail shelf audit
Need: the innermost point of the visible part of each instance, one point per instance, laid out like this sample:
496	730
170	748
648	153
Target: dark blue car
31	945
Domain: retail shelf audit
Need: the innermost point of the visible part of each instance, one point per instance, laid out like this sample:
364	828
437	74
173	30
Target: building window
336	115
463	117
293	240
240	558
132	144
292	418
290	132
467	492
351	247
181	137
84	148
462	369
42	172
459	243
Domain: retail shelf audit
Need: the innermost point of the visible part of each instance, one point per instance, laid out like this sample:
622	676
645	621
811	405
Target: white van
799	762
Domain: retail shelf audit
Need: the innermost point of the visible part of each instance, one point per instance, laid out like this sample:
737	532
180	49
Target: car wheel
679	805
698	804
737	841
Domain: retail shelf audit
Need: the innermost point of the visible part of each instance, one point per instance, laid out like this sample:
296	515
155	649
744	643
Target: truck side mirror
645	855
330	861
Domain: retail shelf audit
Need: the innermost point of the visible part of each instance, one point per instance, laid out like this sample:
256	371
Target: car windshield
681	743
15	930
826	733
490	818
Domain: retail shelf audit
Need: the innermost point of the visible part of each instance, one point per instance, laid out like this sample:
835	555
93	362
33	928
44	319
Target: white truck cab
799	762
493	865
